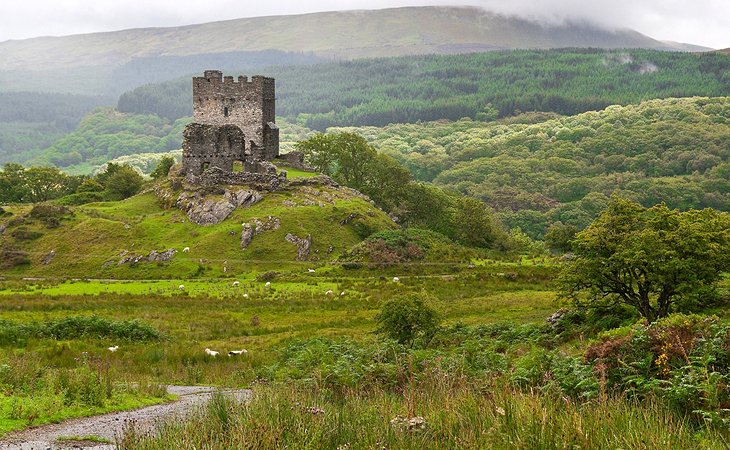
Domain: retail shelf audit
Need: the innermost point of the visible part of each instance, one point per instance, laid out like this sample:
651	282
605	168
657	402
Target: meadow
495	374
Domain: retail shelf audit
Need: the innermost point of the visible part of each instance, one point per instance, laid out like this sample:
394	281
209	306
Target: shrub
24	234
77	328
407	319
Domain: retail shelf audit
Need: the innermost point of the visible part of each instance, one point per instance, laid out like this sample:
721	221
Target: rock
349	218
154	256
49	257
207	211
303	245
257	227
246	235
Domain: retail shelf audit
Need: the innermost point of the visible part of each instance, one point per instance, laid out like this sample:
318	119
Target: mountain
89	62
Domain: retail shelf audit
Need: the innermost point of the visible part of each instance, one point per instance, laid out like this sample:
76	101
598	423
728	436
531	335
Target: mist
702	22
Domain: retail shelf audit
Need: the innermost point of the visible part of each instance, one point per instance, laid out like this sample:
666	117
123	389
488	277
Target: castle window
206	165
225	111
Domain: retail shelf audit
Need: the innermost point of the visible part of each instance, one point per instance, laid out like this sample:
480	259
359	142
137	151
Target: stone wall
248	104
207	146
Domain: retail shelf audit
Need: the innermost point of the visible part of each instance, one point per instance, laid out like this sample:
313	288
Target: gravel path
108	426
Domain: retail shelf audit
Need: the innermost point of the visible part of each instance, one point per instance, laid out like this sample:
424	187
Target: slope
344	34
93	240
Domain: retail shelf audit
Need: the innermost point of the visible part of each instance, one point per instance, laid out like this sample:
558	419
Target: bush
24	234
87	327
407	320
11	257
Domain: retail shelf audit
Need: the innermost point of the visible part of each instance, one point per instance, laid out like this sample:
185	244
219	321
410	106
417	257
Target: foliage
649	259
120	182
559	237
163	168
478	85
34	184
79	327
564	169
349	159
106	134
407	320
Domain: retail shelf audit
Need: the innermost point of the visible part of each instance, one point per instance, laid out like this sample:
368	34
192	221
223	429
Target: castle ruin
233	125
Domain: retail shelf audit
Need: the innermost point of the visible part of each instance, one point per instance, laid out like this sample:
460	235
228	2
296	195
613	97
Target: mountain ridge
336	34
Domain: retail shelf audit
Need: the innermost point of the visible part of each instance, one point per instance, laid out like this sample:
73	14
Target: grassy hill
88	62
89	241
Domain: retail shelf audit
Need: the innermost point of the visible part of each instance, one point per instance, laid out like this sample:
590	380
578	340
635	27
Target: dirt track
109	426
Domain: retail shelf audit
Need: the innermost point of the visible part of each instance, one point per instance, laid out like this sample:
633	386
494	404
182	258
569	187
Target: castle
233	125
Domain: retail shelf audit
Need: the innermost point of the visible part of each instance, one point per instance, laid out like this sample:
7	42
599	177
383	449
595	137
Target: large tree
648	258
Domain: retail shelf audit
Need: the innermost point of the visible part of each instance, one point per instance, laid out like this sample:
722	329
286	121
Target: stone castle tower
233	121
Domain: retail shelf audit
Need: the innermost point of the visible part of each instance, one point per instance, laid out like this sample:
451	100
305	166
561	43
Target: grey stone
303	245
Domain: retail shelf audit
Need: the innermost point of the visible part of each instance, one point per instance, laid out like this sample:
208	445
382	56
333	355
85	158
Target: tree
648	259
406	319
123	183
475	225
163	168
559	237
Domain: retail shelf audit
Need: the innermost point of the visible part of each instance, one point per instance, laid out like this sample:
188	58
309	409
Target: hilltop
103	61
310	222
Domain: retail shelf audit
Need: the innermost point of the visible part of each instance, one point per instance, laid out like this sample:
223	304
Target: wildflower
500	410
417	423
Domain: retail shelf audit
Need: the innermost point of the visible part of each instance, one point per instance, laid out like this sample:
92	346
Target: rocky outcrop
303	245
204	210
49	257
257	227
154	256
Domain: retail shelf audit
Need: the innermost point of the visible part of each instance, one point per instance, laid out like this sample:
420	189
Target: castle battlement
223	101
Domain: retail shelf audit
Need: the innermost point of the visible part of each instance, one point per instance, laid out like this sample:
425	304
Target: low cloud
702	22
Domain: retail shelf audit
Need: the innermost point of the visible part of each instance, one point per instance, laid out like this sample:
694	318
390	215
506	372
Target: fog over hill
91	63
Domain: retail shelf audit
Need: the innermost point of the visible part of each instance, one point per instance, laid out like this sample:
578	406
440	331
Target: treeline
106	134
351	161
563	170
481	86
33	121
20	184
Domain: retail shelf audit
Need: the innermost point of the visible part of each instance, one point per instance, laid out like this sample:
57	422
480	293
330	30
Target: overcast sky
702	22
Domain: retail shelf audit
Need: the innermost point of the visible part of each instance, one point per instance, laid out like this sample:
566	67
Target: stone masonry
233	122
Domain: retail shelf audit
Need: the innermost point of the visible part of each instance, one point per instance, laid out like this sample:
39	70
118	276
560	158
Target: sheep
342	294
113	349
236	283
210	352
329	293
186	250
181	287
268	284
225	269
237	352
245	295
396	280
310	270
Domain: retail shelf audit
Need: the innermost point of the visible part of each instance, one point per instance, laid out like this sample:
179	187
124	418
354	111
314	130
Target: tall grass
458	414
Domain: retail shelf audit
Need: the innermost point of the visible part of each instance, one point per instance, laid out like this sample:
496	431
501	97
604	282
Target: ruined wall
248	104
207	146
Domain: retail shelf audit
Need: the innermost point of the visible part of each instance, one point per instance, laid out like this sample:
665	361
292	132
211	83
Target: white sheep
329	293
113	349
342	294
396	280
225	269
181	287
186	250
237	352
268	284
210	352
236	284
245	295
310	270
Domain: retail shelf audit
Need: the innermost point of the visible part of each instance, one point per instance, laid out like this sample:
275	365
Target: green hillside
89	241
485	85
86	63
563	169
